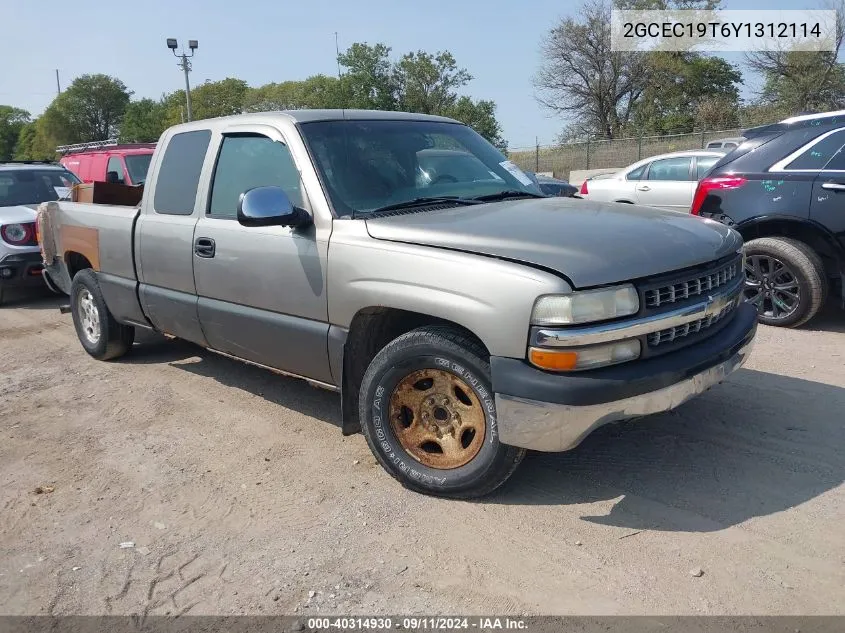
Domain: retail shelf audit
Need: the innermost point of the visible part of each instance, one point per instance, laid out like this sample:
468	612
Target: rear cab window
179	174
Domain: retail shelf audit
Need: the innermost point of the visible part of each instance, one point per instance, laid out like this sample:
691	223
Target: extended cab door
668	184
165	235
262	290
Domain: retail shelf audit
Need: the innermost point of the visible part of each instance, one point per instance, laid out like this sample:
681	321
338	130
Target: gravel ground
233	491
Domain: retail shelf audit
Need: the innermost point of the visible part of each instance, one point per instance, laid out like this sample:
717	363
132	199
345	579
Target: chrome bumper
542	426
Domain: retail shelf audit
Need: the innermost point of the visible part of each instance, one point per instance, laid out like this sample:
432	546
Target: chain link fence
612	154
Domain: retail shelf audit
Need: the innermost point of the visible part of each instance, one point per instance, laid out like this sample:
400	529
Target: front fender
489	297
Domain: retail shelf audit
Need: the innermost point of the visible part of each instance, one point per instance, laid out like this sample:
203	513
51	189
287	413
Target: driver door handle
204	247
644	188
834	186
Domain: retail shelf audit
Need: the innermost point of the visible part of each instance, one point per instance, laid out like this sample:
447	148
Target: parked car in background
666	181
725	143
783	189
107	161
462	317
24	185
553	186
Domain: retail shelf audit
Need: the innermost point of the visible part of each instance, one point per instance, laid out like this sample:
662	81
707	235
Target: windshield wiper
509	193
419	202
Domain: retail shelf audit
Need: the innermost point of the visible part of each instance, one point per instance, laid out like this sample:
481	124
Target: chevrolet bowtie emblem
715	304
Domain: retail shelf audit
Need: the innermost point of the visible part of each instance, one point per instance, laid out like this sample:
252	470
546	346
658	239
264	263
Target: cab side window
247	161
179	175
114	171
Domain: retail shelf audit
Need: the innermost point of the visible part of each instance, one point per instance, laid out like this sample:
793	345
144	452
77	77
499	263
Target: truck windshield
138	165
34	186
368	165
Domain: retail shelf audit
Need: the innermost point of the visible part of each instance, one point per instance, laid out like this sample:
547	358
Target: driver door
261	290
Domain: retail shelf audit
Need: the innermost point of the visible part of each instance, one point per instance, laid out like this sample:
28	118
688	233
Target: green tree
428	83
801	81
318	91
480	116
368	81
682	86
218	98
143	121
89	110
12	121
36	141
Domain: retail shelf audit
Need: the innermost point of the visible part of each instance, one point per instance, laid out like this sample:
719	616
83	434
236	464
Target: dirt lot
241	496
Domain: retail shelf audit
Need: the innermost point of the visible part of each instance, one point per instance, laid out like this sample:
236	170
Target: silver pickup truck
402	261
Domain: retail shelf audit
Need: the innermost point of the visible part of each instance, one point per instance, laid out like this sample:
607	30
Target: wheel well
815	238
370	331
76	262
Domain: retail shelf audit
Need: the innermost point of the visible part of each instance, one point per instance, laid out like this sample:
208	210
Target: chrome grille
679	331
696	285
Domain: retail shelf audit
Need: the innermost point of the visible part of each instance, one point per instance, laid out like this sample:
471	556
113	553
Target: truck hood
17	214
589	243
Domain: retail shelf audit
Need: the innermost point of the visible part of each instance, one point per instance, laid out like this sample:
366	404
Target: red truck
108	161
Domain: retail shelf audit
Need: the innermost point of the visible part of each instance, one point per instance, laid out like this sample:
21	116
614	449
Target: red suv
106	161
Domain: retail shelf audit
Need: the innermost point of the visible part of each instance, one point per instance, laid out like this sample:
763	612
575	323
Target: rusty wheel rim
437	418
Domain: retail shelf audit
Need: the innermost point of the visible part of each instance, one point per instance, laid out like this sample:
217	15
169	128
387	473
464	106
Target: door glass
670	169
837	162
818	155
637	173
114	171
703	164
246	162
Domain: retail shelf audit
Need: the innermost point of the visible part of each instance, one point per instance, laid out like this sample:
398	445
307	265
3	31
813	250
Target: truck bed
75	234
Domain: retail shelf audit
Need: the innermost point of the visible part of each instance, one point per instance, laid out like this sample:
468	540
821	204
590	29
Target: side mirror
270	206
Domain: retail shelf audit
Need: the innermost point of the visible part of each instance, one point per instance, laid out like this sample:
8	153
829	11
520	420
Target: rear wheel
785	280
100	335
428	413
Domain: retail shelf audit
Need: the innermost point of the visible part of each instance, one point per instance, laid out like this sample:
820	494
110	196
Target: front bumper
21	270
553	412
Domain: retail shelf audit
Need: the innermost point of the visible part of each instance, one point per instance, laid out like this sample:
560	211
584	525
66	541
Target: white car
666	181
23	186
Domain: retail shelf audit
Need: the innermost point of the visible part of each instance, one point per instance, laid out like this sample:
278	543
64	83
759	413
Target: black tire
804	266
449	355
101	336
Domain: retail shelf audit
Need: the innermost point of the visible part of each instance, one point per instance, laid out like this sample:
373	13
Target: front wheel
428	413
785	280
98	331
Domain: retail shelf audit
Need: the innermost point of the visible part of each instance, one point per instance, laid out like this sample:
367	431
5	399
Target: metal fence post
588	152
702	138
536	154
640	146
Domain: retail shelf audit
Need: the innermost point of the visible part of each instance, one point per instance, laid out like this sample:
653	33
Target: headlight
586	306
580	358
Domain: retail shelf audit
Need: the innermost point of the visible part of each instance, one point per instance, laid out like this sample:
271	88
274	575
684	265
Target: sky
264	41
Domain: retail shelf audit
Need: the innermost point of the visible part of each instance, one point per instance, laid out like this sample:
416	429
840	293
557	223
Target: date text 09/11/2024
417	623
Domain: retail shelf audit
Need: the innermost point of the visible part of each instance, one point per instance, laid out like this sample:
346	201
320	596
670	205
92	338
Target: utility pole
185	65
58	85
337	54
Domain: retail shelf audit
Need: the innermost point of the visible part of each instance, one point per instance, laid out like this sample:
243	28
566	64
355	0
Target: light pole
185	65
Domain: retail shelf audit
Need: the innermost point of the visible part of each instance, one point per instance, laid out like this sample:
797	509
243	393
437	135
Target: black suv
783	189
